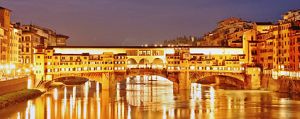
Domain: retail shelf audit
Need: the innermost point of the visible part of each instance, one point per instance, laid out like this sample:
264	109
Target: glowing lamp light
192	67
29	83
27	70
6	66
8	72
12	66
19	70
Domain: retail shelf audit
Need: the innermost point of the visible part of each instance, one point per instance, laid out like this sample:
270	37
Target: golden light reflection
55	94
212	102
64	103
65	93
48	108
148	97
171	113
29	83
79	110
55	108
74	93
164	112
71	106
85	103
98	109
283	110
86	89
192	114
196	91
229	104
128	112
30	110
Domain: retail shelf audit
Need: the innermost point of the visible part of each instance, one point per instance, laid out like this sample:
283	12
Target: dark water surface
140	98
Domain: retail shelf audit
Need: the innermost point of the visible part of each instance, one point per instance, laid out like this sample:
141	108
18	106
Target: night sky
136	22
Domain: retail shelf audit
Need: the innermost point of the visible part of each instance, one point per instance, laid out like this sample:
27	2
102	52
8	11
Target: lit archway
131	63
157	63
144	63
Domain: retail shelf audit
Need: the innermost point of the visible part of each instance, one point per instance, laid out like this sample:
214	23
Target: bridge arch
105	79
132	63
232	79
144	63
157	63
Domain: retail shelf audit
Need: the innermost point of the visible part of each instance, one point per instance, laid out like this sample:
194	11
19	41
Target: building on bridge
186	64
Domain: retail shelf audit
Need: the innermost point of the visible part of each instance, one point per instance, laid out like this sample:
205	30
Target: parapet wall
13	85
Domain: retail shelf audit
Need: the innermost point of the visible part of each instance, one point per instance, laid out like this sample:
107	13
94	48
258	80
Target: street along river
152	97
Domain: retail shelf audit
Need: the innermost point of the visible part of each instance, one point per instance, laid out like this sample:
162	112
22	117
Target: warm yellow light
6	66
12	66
29	83
8	71
27	70
217	51
55	93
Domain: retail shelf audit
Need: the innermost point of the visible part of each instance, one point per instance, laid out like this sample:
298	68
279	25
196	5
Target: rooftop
263	23
51	47
5	8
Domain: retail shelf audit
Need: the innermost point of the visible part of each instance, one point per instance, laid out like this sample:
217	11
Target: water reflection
152	97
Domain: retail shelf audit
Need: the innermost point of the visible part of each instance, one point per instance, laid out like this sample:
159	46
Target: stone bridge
230	78
181	79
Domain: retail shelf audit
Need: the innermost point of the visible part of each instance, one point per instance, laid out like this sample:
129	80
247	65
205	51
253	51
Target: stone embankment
281	85
18	96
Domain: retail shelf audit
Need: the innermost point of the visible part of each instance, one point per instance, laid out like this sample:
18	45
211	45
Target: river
152	97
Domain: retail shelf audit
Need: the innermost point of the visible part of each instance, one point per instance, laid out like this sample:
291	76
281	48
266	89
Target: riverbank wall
281	85
13	85
12	98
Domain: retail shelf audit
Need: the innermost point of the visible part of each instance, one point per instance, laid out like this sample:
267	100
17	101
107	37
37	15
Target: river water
152	97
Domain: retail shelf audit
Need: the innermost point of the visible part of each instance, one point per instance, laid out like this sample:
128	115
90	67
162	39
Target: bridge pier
184	81
254	77
107	81
217	78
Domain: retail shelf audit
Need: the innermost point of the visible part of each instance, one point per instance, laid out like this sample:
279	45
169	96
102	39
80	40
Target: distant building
263	27
5	25
16	37
227	32
34	36
61	40
292	15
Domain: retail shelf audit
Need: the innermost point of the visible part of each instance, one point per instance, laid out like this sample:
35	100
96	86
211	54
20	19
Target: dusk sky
136	22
